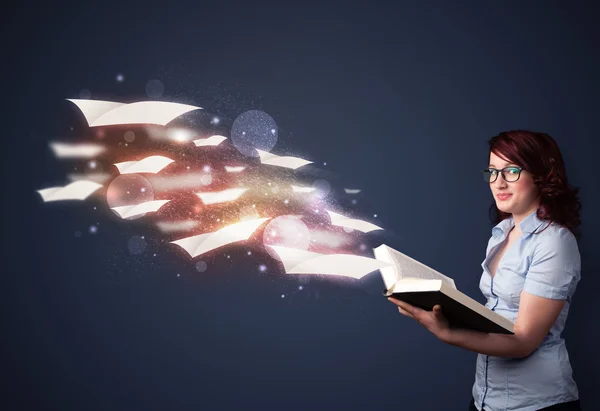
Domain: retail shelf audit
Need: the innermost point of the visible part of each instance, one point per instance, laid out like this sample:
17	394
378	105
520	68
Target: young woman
530	273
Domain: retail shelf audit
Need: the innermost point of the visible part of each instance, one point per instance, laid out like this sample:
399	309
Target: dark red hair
539	155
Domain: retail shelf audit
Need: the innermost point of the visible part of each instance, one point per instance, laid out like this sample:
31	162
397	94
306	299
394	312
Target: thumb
437	309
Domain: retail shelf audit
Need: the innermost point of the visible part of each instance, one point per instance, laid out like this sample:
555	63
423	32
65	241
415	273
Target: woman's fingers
406	313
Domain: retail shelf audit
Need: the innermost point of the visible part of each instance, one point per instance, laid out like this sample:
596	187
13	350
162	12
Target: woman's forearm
497	345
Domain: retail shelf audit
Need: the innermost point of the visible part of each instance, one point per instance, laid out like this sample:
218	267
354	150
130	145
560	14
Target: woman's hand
434	321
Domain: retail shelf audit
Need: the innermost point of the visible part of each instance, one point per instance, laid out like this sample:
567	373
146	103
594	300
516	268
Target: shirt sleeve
555	266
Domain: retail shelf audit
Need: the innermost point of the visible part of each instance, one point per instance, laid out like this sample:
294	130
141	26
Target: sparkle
325	163
300	287
262	268
120	77
154	255
206	169
354	201
228	256
286	201
177	274
375	215
282	295
215	120
143	189
93	229
249	252
94	207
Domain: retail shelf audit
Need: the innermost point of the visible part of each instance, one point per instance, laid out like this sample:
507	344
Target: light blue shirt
547	264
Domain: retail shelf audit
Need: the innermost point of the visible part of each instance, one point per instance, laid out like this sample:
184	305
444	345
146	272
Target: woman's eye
513	170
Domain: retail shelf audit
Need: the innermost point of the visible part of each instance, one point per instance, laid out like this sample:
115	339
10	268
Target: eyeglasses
510	174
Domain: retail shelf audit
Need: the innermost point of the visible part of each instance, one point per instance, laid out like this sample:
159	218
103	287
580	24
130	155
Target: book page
411	268
407	268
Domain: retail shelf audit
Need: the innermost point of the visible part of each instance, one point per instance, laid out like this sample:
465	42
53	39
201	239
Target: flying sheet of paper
200	244
297	189
77	190
221	196
343	221
176	226
108	113
138	209
95	177
152	164
231	169
210	141
351	190
93	109
296	261
76	150
281	161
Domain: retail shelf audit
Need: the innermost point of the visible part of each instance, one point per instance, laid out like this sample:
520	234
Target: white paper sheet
296	261
77	190
281	161
343	221
138	209
221	196
200	244
236	169
108	113
77	150
152	164
298	189
210	141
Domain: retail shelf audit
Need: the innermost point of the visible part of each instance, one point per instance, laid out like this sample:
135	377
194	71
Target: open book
417	284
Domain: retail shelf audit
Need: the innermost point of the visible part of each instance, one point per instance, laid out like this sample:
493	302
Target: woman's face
518	198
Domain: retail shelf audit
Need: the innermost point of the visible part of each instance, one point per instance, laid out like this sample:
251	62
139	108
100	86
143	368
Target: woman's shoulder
553	238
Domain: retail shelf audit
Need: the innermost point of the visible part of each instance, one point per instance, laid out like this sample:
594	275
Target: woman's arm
535	318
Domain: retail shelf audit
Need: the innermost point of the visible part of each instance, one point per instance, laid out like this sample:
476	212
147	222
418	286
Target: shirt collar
528	226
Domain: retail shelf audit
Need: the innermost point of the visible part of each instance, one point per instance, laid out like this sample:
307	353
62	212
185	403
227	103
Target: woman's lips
503	197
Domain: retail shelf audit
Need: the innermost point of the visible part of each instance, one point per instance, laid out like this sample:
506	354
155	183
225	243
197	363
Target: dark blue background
399	99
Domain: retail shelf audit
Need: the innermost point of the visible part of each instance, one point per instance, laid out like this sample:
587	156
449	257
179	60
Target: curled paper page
351	190
297	189
77	190
221	196
405	268
107	113
93	109
152	164
230	169
77	150
203	243
296	261
360	225
281	161
138	209
210	141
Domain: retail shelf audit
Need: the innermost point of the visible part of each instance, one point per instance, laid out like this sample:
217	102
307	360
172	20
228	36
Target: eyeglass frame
498	172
